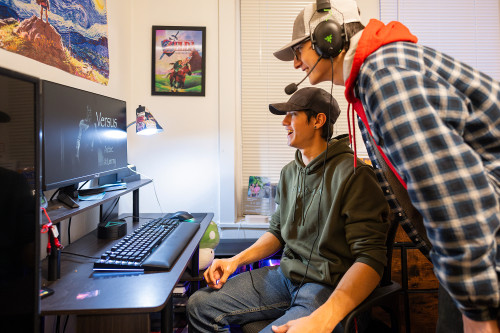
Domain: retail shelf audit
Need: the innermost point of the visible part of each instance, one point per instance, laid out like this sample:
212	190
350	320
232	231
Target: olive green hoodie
348	225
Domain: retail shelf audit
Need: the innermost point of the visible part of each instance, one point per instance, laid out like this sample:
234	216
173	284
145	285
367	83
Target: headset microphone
292	87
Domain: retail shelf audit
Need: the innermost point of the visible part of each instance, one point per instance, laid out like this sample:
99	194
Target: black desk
108	302
229	247
64	212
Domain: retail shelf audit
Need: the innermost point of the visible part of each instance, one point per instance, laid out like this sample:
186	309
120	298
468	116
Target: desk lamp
146	124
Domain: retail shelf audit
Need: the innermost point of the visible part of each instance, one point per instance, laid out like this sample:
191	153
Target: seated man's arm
357	283
366	225
220	270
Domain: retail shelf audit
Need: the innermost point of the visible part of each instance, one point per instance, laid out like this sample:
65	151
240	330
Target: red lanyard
51	230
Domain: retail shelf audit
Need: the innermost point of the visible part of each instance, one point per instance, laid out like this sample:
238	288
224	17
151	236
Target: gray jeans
260	294
449	317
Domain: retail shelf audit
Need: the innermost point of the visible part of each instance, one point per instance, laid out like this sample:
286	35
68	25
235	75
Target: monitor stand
69	195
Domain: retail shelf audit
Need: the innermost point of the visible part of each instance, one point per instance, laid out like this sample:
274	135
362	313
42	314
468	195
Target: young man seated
331	223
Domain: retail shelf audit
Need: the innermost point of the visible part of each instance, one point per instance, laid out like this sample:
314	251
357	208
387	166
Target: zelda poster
67	34
178	64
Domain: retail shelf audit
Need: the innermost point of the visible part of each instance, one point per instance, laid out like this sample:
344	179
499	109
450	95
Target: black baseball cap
310	98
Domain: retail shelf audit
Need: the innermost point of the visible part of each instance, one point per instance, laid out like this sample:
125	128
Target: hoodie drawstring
303	195
301	185
352	137
296	196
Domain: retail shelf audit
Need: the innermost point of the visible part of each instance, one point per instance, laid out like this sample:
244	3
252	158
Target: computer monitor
84	135
19	202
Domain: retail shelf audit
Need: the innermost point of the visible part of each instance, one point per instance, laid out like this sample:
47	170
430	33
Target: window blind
265	27
468	30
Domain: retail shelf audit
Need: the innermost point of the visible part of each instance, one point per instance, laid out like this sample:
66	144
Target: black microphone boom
292	87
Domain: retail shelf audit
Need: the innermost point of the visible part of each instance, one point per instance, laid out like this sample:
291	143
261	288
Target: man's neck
310	153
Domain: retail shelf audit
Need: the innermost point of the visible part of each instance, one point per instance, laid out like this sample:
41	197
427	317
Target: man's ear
320	120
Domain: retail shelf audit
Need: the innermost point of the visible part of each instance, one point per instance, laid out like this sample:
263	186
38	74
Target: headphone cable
319	206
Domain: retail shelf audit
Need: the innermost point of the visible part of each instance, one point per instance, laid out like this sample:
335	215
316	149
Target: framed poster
178	64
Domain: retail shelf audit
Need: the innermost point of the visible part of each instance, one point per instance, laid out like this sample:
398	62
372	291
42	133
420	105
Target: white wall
184	160
119	86
193	162
195	153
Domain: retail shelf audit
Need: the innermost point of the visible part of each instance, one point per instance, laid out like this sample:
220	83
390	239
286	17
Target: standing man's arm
220	270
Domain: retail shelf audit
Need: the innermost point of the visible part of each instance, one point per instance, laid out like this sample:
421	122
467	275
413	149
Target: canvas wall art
67	34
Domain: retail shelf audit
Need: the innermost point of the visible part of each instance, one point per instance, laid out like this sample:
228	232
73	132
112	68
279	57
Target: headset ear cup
328	39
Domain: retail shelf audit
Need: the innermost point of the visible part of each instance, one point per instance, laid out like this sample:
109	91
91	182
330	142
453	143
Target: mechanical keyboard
155	245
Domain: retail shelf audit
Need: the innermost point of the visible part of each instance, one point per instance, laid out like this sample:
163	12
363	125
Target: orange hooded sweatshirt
375	35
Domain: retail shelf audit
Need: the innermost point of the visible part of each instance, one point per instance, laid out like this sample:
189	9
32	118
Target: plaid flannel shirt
438	122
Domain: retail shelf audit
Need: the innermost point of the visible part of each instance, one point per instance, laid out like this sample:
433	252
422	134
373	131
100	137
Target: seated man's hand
302	325
218	273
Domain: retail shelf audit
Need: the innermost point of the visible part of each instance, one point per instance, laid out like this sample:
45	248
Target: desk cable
154	187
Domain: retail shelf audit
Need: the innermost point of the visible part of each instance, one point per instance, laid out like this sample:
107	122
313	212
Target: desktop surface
82	291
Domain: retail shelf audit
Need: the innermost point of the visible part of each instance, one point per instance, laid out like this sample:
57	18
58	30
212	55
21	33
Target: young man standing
435	122
331	223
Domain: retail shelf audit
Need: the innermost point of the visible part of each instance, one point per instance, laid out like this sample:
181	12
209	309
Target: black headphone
328	38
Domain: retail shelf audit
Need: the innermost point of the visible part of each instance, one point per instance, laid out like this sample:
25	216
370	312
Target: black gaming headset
328	38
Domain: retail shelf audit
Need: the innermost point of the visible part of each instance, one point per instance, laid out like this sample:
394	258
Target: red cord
355	325
349	123
46	226
354	139
352	135
45	229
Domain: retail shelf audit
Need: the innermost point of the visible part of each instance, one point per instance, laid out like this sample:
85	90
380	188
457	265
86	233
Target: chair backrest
404	209
391	235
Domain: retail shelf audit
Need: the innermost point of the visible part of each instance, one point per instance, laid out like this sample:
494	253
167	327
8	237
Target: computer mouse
182	216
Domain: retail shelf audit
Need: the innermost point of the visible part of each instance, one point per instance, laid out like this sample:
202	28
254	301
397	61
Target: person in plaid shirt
435	123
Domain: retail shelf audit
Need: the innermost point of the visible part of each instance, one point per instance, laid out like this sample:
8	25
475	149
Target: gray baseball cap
342	11
310	98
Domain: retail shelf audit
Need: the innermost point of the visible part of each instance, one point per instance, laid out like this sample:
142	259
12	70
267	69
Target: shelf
58	215
64	212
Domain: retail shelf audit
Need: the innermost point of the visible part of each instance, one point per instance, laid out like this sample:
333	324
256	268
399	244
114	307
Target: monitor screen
84	135
19	202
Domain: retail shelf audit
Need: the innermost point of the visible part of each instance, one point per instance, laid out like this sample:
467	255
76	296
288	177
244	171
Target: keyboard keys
133	249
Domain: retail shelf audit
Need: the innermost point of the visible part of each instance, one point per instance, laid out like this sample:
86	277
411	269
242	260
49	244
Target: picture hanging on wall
178	64
60	33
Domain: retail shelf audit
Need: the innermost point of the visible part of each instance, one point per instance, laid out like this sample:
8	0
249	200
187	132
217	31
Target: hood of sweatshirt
334	149
375	35
308	177
318	214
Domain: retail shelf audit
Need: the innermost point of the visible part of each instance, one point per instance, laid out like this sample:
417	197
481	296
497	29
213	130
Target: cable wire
78	255
319	210
154	187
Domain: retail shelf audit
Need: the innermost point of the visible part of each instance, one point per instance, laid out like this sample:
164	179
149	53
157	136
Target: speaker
328	38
